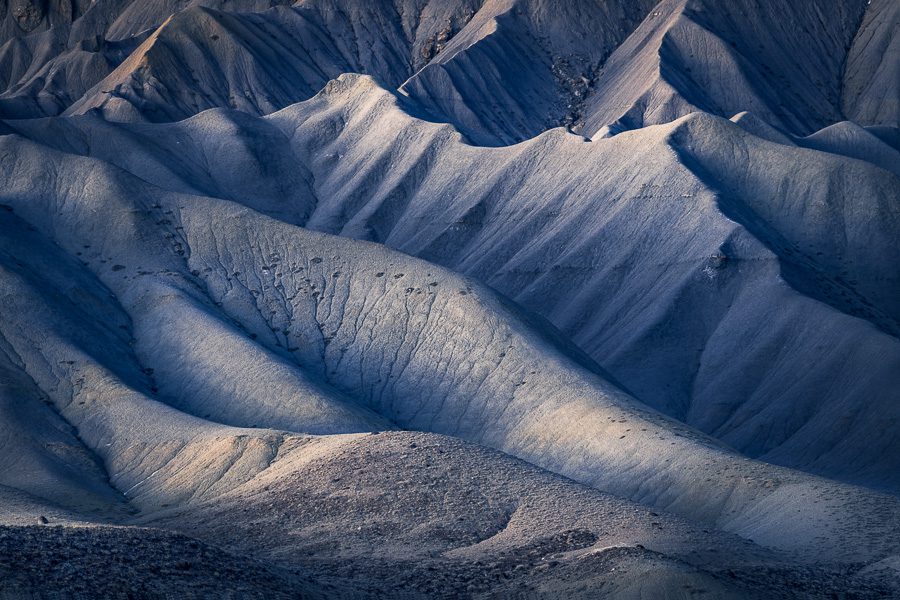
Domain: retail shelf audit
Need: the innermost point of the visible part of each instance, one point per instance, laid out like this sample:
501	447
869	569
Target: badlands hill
442	298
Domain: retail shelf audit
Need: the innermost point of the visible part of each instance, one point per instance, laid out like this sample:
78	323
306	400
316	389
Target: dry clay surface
581	299
660	270
111	322
499	70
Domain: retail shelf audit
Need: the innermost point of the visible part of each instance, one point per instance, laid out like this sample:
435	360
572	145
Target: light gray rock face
429	516
66	47
500	71
658	270
851	140
283	327
449	298
531	63
783	62
246	54
871	72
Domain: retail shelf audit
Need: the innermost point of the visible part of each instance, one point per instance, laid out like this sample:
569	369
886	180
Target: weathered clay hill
440	298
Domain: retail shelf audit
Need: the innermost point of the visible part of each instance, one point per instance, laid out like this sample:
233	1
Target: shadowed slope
658	269
849	139
521	67
422	515
184	343
419	345
499	71
782	61
872	71
63	48
203	58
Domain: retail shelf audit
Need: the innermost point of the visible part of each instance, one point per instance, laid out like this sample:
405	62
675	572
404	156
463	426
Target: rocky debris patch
576	77
406	514
127	562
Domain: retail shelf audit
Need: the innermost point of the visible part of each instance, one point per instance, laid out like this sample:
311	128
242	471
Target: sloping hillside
449	298
660	279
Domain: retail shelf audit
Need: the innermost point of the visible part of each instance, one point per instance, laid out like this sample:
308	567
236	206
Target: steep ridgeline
499	70
710	280
230	332
202	55
51	53
173	58
782	60
872	69
531	61
66	332
239	489
202	58
435	298
521	67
